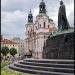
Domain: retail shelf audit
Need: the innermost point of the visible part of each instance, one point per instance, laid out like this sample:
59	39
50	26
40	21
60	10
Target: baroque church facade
38	32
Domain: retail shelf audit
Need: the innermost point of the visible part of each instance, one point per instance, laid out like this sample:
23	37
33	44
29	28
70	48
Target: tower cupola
42	7
30	17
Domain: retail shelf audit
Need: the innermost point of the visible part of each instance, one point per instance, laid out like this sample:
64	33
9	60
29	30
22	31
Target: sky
14	14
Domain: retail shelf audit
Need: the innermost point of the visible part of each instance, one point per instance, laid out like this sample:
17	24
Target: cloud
13	22
12	5
35	12
14	14
71	18
53	13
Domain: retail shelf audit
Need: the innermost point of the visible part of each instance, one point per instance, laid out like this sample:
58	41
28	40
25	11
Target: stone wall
59	47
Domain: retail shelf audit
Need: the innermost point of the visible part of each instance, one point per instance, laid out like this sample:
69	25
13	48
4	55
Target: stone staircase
45	66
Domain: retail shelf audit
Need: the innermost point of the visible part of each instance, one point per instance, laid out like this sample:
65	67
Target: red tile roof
53	29
6	41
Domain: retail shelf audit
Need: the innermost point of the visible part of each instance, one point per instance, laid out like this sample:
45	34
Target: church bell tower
42	7
30	17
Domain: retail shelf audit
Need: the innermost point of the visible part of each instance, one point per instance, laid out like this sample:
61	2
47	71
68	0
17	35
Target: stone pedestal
59	46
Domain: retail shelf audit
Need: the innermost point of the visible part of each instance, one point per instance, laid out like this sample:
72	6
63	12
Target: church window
44	37
28	32
40	25
41	8
48	26
44	25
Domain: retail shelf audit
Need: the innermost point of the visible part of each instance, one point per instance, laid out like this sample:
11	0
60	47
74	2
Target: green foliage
3	64
13	51
5	51
8	72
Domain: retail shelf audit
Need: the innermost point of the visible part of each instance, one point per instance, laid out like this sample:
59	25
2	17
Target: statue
62	19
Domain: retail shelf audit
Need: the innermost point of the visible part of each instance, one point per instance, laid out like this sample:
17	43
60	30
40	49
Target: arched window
48	26
44	24
41	8
28	32
44	37
40	25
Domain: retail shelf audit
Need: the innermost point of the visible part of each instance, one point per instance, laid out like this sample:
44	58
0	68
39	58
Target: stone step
38	71
54	69
59	61
47	64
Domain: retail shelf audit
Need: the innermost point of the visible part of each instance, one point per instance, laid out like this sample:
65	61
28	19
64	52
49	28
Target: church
52	50
38	32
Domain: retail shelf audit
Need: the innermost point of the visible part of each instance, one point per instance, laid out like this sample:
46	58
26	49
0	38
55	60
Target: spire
30	11
30	17
42	7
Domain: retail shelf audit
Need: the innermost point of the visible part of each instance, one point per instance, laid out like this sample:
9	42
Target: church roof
49	19
53	29
63	32
6	41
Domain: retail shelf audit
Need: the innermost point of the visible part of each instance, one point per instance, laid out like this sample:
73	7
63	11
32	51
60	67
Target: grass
8	72
3	64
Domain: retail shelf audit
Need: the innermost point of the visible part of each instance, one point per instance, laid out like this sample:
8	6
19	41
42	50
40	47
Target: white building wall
40	33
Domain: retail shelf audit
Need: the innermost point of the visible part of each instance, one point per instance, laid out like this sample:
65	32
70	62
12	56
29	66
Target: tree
5	51
13	51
